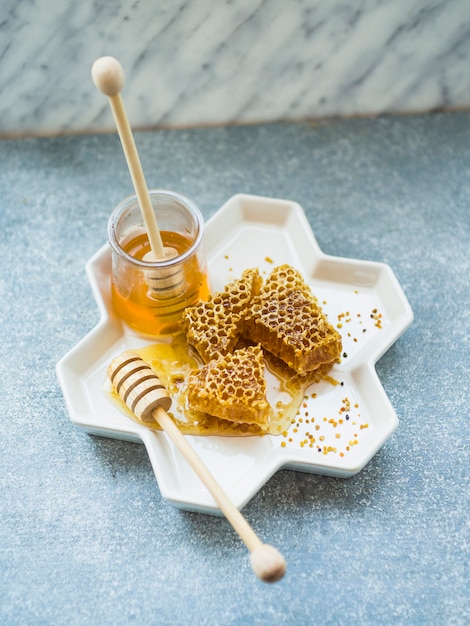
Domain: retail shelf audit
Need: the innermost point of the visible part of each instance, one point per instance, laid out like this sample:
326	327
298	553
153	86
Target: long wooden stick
241	526
108	76
142	391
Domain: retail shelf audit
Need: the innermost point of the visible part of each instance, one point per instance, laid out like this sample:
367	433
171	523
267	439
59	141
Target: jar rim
132	200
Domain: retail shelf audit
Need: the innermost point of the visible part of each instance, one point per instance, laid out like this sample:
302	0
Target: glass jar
150	295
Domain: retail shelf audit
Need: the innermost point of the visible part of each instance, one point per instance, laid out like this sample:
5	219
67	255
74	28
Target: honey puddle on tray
173	361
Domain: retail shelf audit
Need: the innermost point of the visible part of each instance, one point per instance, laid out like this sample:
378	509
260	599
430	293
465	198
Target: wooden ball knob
267	563
108	75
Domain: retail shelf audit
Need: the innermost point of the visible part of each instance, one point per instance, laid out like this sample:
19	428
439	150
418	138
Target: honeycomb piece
286	319
214	327
232	388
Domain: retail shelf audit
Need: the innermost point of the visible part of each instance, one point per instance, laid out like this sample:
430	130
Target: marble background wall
198	62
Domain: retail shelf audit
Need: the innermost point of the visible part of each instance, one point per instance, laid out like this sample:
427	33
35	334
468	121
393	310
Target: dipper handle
142	391
108	77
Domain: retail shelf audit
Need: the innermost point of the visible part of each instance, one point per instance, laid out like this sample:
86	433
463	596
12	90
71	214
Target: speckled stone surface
85	537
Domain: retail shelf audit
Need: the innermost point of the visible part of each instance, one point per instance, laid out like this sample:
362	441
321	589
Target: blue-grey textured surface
85	537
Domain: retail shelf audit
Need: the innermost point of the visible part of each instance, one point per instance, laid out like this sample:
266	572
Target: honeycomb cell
213	328
232	387
286	319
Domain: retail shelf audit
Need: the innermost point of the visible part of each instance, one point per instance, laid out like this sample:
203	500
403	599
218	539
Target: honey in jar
150	296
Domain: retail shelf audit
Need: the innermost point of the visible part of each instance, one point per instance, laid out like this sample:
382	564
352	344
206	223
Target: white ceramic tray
352	420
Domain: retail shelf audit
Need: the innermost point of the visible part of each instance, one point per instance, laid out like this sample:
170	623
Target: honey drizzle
172	360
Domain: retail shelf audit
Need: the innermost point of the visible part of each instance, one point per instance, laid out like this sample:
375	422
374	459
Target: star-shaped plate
339	427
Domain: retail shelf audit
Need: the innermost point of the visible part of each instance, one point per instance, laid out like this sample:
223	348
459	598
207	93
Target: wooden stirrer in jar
144	394
108	77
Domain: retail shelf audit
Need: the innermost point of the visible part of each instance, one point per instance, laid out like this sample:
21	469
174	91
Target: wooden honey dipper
108	77
144	394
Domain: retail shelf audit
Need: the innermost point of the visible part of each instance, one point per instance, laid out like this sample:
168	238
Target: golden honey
151	295
135	303
225	381
173	361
